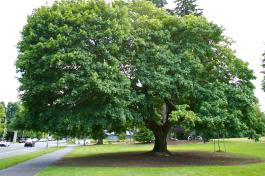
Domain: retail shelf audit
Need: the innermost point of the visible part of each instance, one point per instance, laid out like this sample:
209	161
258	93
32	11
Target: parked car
29	143
42	140
193	137
50	138
4	144
173	139
35	140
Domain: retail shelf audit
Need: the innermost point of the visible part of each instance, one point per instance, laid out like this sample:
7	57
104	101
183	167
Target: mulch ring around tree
149	159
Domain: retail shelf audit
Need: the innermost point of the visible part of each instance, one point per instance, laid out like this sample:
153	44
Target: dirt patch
136	159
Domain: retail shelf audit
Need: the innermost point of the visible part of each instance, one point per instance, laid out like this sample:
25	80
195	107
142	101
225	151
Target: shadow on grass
150	159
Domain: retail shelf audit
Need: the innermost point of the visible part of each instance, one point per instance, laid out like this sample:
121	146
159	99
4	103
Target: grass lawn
243	148
10	161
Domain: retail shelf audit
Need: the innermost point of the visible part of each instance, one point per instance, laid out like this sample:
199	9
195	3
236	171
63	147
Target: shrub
144	135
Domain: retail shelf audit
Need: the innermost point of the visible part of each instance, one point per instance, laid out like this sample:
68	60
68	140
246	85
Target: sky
243	21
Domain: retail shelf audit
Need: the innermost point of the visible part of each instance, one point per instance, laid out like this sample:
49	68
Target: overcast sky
243	22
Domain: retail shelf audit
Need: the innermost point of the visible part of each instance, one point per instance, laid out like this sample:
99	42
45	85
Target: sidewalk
32	167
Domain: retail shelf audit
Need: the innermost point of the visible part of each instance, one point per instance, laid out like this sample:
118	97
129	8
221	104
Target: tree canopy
159	3
68	56
11	111
187	7
2	119
86	64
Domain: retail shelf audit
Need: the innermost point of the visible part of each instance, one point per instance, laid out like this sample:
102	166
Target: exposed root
163	154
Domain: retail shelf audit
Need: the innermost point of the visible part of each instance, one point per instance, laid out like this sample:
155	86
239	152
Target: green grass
261	140
243	148
10	161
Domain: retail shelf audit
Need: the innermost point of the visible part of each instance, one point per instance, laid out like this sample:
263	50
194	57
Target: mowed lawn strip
242	148
248	170
10	161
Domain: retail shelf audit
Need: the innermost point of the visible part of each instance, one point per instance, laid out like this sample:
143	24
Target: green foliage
143	135
260	115
188	61
11	110
96	65
182	116
159	3
226	113
187	7
69	57
97	133
2	119
17	117
122	136
18	120
11	113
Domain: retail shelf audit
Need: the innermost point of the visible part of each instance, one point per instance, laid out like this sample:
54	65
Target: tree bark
160	129
84	139
100	142
160	132
47	142
15	136
160	141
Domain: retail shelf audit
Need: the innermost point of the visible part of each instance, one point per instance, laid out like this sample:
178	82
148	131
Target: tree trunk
84	139
47	143
160	133
15	136
161	129
100	142
160	142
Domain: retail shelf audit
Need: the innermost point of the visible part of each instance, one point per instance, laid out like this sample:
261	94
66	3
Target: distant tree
225	113
17	117
259	117
19	121
187	7
11	111
2	119
159	3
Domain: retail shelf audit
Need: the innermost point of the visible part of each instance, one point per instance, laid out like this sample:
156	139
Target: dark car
29	143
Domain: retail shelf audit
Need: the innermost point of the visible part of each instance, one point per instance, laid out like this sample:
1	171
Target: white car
35	140
43	140
4	144
197	138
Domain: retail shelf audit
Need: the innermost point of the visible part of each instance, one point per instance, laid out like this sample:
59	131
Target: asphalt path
18	148
31	167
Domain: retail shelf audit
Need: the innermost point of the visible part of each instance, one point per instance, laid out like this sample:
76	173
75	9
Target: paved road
31	167
18	148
